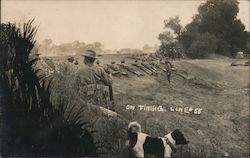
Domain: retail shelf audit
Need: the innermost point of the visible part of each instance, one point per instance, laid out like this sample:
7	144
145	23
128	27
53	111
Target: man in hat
169	67
69	67
92	80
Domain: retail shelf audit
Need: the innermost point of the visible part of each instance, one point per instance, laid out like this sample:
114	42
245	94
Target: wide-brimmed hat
89	53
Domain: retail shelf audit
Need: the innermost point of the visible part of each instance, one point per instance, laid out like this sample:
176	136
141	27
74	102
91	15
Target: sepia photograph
125	78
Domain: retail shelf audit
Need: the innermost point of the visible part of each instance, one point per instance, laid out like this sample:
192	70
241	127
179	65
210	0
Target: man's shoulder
88	68
81	69
97	68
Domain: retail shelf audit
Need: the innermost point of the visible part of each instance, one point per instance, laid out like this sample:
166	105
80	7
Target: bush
219	19
202	46
35	126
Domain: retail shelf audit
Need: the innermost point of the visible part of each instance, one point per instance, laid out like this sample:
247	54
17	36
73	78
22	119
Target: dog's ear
179	137
176	131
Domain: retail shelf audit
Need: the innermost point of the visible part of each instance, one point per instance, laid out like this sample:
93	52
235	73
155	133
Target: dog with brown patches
141	144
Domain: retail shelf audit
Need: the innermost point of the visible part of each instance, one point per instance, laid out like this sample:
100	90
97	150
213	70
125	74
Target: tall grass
35	127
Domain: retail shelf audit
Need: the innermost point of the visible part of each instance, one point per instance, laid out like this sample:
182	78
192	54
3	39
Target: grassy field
219	90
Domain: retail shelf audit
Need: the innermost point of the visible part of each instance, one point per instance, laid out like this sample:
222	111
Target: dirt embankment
208	100
221	91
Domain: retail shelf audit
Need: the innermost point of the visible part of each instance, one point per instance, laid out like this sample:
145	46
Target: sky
116	24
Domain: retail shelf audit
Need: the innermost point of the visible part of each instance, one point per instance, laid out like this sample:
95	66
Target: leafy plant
35	126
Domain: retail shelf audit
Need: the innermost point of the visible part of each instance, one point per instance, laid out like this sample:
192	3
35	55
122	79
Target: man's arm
107	78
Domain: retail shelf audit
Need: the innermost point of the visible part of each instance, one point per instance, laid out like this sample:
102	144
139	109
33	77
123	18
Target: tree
98	46
167	40
174	24
47	42
248	43
189	35
146	47
45	47
217	19
170	37
76	44
203	45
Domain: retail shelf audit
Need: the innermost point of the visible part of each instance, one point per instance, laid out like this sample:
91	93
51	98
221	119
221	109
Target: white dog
141	144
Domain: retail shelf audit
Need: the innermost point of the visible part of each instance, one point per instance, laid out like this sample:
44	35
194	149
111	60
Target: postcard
125	78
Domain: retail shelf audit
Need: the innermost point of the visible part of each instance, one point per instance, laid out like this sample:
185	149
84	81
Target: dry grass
209	84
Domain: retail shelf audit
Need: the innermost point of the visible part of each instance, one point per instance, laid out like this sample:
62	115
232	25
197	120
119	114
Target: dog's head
179	137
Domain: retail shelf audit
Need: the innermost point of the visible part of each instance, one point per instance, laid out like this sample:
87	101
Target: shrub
202	46
35	126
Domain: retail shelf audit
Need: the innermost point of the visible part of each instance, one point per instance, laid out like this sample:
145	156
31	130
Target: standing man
179	54
174	53
92	81
168	70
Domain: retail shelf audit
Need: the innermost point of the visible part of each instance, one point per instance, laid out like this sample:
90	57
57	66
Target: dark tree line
214	30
